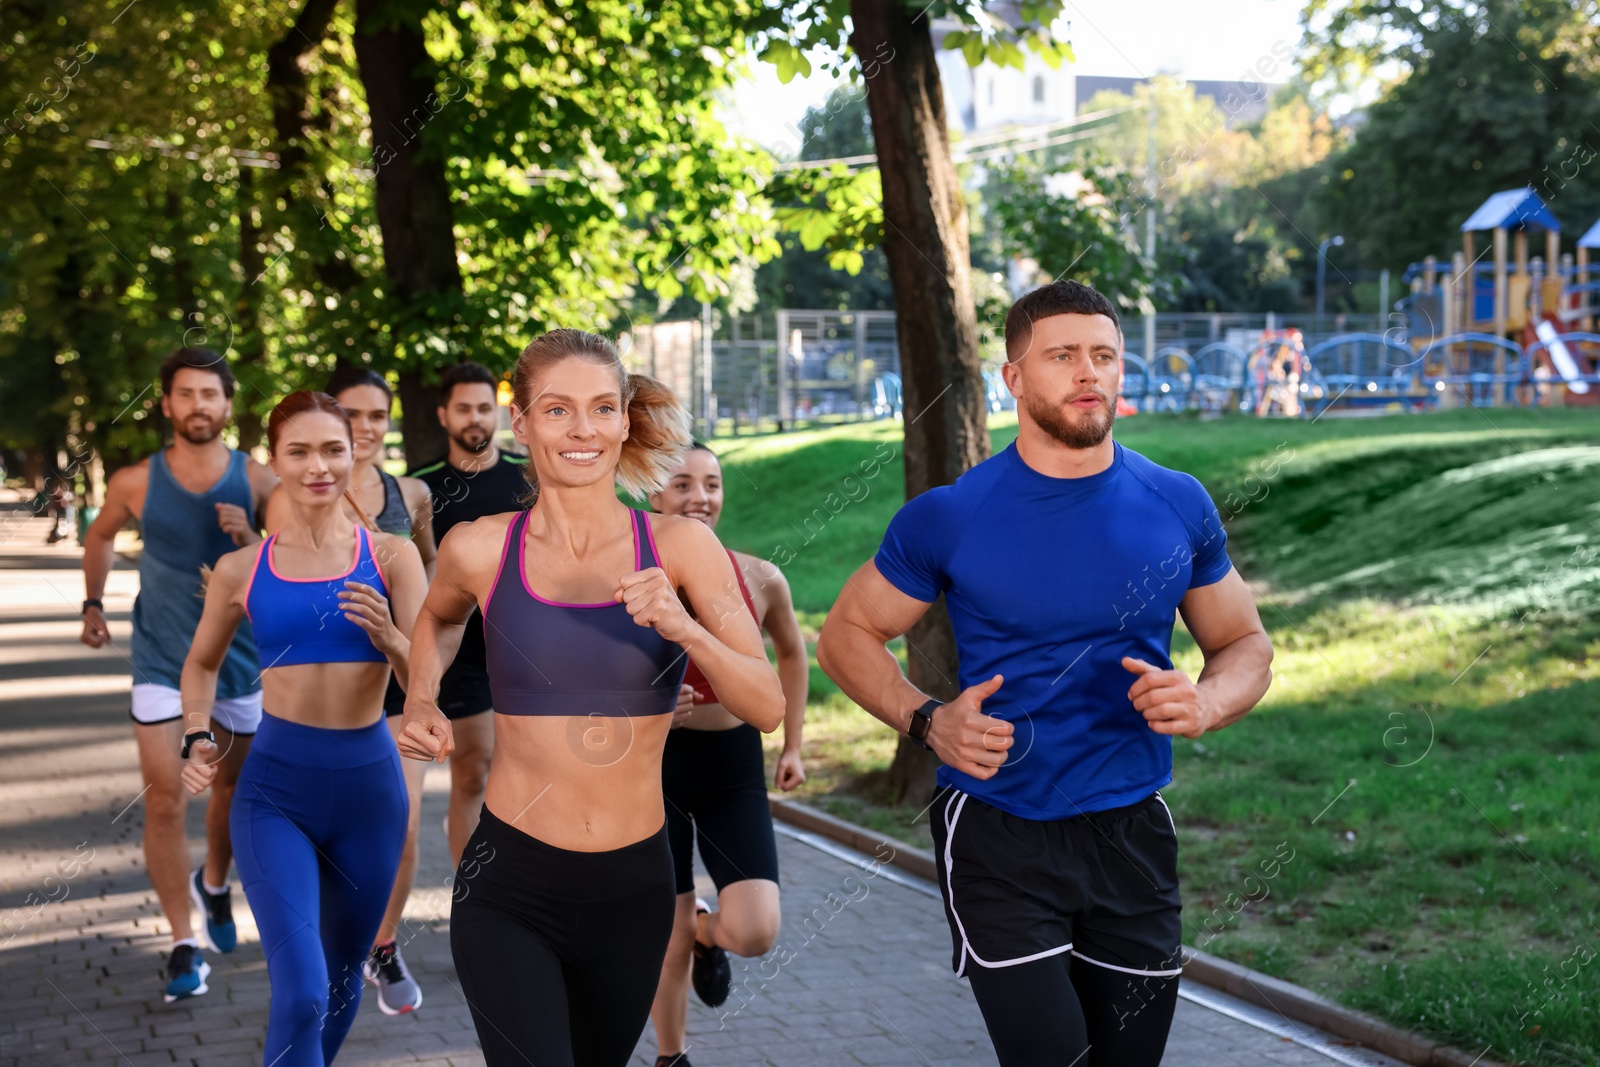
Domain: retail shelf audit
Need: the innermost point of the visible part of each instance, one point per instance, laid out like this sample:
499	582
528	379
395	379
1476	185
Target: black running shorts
715	786
1103	886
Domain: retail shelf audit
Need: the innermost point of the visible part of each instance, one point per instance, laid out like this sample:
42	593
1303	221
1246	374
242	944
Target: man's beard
197	436
481	443
1085	434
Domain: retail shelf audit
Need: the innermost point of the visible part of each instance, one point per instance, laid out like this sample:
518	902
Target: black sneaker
677	1059
712	972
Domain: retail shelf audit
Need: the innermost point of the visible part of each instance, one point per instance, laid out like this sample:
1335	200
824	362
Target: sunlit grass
1429	589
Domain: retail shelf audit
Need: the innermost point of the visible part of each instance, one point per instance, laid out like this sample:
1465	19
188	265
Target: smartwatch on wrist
195	735
921	719
92	602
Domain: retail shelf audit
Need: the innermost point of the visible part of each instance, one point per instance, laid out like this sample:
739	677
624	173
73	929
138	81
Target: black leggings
1049	1012
559	952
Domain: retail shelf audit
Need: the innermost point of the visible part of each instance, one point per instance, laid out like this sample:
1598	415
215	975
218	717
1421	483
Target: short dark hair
464	374
196	359
1057	298
349	377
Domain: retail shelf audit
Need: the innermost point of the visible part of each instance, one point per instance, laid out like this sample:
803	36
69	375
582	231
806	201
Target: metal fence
778	370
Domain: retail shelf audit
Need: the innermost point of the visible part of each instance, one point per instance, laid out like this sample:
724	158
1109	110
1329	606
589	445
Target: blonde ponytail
659	431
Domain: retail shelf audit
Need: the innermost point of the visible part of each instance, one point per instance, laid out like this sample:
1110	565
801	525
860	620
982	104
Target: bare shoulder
467	541
761	572
674	532
130	479
234	568
414	490
393	546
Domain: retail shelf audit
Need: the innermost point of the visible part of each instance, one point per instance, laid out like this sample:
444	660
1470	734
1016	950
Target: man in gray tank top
195	501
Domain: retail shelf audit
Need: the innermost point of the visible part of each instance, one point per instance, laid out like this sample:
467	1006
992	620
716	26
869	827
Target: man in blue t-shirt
1062	562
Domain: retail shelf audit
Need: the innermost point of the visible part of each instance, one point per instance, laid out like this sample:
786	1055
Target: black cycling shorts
1103	886
716	789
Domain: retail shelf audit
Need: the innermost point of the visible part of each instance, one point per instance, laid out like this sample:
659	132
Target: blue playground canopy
1510	210
1592	238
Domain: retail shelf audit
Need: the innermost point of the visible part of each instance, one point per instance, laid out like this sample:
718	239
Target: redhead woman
591	609
319	815
383	503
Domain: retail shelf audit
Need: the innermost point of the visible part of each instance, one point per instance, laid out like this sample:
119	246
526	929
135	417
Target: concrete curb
1288	1000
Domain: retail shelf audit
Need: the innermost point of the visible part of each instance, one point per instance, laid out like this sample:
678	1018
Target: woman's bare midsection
711	717
334	696
585	783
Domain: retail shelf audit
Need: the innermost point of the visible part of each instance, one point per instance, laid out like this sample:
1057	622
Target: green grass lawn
1420	781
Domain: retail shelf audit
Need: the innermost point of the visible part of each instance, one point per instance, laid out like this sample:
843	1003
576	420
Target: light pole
1322	272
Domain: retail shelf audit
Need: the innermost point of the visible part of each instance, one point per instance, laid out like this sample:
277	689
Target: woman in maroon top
715	785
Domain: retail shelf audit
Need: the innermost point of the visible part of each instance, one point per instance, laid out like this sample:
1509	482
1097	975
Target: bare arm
389	620
197	687
1222	618
246	529
794	670
1224	622
419	505
853	651
722	639
99	547
459	574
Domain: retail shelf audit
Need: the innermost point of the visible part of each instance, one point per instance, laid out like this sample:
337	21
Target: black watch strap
195	735
93	602
921	719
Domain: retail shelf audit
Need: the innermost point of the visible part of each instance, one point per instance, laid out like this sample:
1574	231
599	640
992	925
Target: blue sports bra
549	658
300	620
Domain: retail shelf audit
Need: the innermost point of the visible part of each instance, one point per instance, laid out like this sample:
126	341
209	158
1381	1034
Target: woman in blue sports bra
562	916
319	815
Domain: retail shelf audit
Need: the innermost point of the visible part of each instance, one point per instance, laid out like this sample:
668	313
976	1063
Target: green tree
1495	94
1073	221
925	240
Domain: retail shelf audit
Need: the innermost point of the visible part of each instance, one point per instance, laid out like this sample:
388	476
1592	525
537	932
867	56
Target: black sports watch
195	735
92	602
921	719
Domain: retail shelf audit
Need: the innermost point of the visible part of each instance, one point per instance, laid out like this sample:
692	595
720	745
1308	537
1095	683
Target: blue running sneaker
218	931
187	971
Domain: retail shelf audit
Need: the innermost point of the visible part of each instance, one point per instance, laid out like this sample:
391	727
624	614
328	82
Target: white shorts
153	703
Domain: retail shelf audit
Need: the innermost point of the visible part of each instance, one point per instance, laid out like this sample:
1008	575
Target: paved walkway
864	977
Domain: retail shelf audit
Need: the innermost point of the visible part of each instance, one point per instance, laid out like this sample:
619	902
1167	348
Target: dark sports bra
394	518
703	693
549	658
300	620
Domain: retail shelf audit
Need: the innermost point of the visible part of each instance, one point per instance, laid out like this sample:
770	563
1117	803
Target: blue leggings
318	821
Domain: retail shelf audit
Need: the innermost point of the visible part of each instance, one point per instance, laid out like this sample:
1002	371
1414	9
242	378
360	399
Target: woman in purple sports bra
565	895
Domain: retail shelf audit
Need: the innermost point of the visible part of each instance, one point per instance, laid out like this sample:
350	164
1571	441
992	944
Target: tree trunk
248	342
424	437
925	243
293	124
413	195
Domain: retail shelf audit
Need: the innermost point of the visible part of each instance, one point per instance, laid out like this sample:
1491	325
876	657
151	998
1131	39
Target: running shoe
398	992
677	1059
712	972
219	932
187	971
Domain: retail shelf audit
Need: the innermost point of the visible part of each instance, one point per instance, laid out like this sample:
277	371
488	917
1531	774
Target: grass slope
1427	756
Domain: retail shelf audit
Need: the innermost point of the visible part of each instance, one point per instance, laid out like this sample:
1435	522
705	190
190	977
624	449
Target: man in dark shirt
473	479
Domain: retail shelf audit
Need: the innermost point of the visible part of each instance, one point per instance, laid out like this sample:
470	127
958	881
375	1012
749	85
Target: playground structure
1498	328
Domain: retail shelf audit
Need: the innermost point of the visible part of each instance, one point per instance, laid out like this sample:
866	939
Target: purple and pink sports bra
549	658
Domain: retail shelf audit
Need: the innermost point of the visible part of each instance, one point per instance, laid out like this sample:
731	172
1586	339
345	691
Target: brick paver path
860	976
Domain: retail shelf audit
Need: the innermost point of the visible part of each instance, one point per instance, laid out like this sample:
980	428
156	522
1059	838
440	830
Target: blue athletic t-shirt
1050	582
